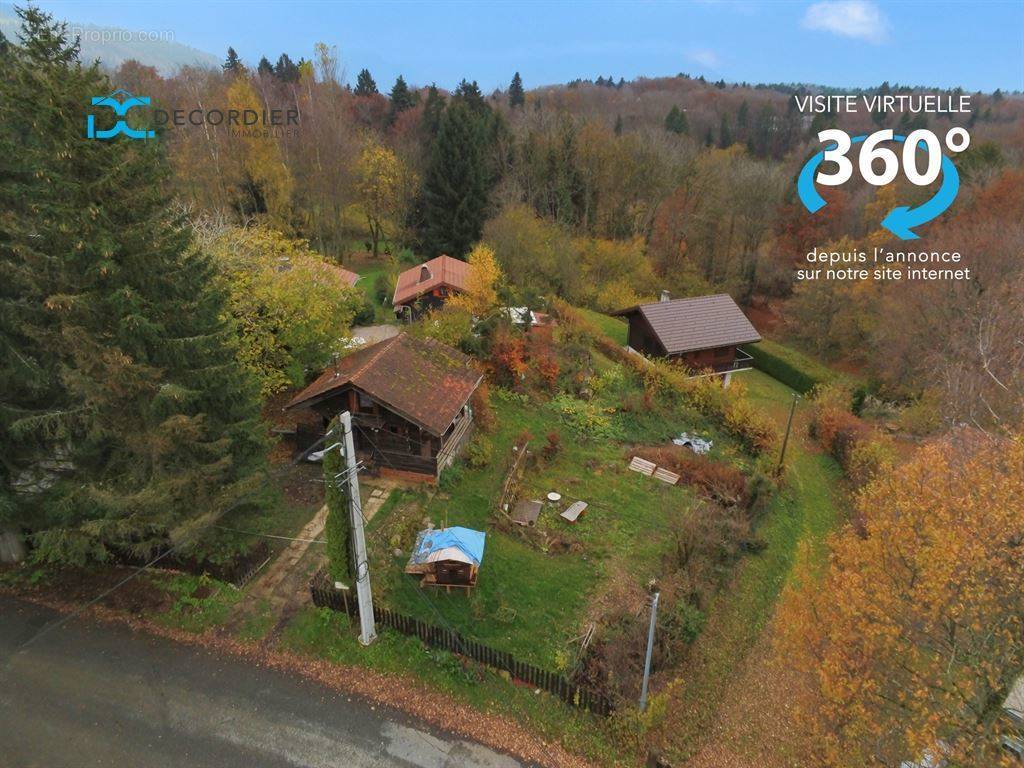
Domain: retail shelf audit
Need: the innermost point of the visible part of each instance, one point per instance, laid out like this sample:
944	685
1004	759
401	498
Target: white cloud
705	57
860	19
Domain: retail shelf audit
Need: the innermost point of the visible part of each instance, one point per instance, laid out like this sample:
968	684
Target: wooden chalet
447	557
409	400
703	333
428	286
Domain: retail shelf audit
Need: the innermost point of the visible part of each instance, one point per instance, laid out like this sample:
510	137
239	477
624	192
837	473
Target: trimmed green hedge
792	368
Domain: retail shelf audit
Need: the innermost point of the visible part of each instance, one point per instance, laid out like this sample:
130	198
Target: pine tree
469	93
676	122
401	99
456	184
125	420
516	94
724	133
286	70
743	117
365	86
232	64
432	111
265	67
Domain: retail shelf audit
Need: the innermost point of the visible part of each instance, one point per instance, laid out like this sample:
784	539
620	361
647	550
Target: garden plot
536	587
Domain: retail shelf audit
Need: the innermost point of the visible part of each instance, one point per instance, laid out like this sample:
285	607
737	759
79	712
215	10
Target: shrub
685	622
728	407
508	357
483	411
553	446
858	448
720	481
586	419
366	313
479	451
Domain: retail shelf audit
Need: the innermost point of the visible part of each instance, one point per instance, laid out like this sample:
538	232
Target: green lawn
369	272
804	512
613	327
528	601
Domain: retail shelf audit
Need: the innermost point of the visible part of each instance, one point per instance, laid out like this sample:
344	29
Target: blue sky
978	45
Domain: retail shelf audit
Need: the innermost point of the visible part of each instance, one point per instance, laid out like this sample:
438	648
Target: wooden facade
416	308
392	444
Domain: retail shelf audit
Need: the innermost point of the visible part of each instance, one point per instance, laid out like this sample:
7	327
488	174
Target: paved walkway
85	695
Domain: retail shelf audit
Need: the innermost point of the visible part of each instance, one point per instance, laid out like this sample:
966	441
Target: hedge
790	367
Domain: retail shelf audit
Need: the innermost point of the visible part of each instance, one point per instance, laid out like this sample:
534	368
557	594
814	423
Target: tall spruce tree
265	67
286	70
516	93
125	420
401	99
232	64
433	108
724	133
365	86
457	181
676	122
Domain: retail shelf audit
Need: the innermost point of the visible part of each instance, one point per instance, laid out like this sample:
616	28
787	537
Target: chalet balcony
742	362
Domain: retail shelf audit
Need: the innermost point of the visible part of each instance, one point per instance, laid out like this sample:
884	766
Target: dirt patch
80	585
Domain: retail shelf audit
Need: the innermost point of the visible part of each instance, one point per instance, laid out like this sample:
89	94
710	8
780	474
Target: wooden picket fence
325	596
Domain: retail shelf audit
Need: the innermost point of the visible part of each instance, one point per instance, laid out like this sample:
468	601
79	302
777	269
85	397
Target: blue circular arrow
899	220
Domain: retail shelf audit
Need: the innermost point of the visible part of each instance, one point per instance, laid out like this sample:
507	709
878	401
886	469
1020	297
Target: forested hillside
605	192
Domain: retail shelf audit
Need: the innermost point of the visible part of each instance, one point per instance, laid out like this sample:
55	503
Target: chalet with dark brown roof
429	285
409	400
704	333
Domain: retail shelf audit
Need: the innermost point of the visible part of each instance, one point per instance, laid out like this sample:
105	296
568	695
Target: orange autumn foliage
915	633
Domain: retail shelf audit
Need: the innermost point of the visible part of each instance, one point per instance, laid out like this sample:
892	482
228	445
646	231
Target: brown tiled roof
422	380
702	322
444	270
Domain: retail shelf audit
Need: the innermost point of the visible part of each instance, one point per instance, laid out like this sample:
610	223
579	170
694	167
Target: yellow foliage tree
266	175
915	634
291	308
481	295
384	186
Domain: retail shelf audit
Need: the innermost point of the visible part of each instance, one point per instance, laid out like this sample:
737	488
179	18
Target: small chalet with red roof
349	276
409	400
427	286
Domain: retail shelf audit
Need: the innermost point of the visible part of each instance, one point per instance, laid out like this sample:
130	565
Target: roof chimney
424	273
665	296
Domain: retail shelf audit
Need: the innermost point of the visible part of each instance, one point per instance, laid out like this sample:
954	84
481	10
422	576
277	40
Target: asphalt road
88	694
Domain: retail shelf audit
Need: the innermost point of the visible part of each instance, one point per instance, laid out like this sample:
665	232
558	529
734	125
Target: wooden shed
447	557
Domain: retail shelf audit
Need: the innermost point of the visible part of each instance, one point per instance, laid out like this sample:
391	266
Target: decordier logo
241	122
120	108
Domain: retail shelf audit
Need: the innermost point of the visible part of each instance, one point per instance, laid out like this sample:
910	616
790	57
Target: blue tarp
466	540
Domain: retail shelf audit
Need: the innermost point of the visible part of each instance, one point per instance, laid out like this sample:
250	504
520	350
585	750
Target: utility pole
785	440
650	650
367	630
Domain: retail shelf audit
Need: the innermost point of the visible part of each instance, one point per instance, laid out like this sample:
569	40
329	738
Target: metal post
367	630
785	440
650	650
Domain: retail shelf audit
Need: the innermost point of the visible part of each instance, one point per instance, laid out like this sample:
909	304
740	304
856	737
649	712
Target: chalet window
365	402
